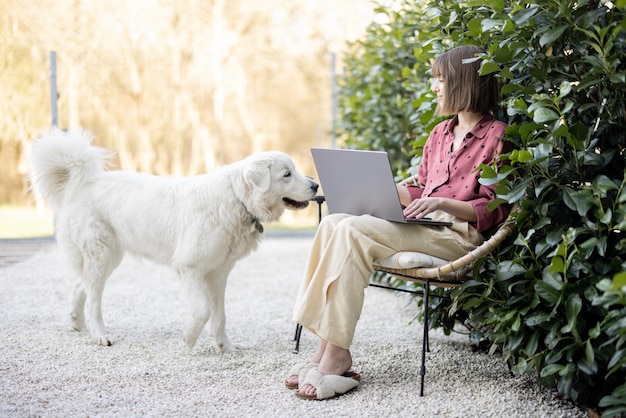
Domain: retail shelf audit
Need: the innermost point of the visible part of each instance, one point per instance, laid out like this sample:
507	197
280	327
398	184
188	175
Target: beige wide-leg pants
331	294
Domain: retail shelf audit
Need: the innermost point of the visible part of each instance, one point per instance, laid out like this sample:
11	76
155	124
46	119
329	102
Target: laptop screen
358	182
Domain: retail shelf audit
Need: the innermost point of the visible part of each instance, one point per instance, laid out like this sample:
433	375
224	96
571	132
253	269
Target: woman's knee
362	225
330	221
342	225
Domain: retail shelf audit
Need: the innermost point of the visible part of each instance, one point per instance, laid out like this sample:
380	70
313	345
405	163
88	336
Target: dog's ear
257	173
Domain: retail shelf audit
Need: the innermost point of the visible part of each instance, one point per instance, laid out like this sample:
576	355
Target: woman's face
439	89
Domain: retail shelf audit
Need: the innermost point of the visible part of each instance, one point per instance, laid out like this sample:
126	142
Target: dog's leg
97	268
74	259
77	314
194	290
216	292
96	322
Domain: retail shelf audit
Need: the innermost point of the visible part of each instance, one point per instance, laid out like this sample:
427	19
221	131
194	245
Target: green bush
552	298
382	87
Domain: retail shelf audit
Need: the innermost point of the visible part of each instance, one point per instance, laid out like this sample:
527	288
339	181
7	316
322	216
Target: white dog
200	226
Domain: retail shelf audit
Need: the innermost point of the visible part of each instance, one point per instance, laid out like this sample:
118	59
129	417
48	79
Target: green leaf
547	292
489	67
578	200
572	309
537	318
585	367
595	331
520	367
565	88
490	24
543	115
515	341
551	369
589	353
525	14
554	280
604	184
515	326
531	345
611	401
552	35
557	265
617	358
619	280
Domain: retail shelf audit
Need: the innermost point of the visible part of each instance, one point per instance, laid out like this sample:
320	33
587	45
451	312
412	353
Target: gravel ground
49	370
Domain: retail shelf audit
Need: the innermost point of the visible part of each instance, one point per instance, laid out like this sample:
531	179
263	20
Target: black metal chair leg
425	338
296	338
426	295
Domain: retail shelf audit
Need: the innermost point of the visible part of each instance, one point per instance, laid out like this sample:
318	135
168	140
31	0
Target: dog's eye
287	174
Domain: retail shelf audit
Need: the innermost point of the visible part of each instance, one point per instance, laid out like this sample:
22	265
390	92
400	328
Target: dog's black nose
314	186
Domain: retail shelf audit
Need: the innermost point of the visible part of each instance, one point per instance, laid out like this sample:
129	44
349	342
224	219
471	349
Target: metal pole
54	96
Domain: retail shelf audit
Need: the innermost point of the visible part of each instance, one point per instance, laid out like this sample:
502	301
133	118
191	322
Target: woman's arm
403	192
409	189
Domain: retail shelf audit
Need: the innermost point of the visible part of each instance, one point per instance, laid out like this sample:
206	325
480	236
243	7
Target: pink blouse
443	173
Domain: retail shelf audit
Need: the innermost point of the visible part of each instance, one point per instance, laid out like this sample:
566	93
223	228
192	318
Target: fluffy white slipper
300	370
327	386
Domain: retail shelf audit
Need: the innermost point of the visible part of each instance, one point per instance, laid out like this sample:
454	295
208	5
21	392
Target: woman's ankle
336	360
319	353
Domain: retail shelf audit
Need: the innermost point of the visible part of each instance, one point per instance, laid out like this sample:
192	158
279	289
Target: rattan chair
440	273
431	271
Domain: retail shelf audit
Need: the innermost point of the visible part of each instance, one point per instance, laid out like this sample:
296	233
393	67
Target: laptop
360	182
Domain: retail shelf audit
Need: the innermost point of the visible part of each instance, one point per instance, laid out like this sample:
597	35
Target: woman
446	188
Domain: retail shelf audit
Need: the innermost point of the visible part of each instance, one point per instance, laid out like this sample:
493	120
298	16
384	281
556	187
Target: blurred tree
173	87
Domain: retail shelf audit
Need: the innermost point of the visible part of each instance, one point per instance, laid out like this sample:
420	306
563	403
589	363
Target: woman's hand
420	208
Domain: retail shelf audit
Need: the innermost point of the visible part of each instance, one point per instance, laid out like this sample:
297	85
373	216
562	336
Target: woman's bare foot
335	361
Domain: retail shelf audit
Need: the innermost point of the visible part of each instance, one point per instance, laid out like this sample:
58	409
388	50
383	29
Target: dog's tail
61	162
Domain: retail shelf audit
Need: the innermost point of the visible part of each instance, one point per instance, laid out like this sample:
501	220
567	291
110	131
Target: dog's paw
189	343
77	321
103	340
228	347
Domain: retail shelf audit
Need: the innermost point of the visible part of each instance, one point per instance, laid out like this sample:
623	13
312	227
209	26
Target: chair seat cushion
410	259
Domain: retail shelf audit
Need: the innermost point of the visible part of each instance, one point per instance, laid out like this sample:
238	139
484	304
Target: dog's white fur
200	226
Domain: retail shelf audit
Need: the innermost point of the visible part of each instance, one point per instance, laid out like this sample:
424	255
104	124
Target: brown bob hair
465	89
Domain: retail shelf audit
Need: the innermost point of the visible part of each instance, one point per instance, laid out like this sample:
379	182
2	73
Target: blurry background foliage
173	87
552	299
